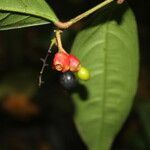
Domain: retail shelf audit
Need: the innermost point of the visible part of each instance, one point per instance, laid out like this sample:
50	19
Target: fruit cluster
65	62
69	64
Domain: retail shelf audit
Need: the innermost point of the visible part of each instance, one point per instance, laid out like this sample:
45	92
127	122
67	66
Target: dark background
30	118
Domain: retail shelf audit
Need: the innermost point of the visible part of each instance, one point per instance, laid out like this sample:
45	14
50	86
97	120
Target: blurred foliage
42	121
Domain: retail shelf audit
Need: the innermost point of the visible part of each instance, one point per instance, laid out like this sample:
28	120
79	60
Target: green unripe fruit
83	73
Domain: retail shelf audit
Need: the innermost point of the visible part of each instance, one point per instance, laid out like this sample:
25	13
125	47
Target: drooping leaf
108	47
23	13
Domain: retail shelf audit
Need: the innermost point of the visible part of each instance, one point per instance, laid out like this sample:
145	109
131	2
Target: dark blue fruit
68	80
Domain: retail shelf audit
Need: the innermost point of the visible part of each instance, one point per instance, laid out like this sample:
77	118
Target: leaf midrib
104	95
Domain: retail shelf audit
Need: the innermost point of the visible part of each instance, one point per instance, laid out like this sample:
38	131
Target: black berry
68	81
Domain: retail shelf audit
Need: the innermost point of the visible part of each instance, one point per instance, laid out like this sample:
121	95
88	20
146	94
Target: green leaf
108	47
23	13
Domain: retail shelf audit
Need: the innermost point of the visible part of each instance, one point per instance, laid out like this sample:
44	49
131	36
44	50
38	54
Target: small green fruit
83	73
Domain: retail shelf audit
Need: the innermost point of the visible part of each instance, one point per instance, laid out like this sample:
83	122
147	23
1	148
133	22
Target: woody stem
65	25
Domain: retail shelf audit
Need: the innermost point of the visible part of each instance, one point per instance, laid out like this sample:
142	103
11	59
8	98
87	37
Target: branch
44	60
65	25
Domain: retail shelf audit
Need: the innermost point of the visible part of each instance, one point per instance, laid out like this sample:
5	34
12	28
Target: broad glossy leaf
24	13
108	47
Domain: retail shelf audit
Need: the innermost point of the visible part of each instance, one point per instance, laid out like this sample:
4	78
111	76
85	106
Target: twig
44	60
65	25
